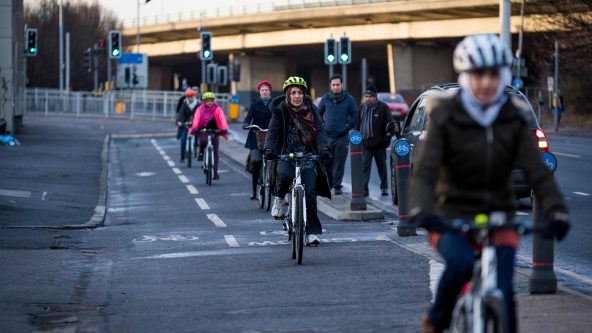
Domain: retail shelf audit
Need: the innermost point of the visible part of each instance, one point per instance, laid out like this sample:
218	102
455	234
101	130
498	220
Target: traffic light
212	73
127	74
344	50
235	71
206	45
330	51
88	59
114	44
31	42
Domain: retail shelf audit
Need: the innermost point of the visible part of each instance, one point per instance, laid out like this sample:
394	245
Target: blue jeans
184	132
455	249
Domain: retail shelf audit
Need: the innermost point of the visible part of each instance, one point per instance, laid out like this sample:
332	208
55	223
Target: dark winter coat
339	116
464	169
381	116
185	113
259	115
278	135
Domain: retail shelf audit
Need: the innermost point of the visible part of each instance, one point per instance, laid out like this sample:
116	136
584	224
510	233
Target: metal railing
112	104
245	9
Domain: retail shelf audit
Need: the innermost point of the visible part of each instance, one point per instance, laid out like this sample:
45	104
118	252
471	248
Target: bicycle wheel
209	167
261	191
266	189
495	319
299	225
188	156
461	320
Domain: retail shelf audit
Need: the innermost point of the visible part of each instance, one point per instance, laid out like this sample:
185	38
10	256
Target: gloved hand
429	221
325	155
245	126
270	155
194	131
556	228
224	132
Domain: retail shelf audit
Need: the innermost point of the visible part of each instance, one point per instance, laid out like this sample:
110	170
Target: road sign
401	147
550	160
355	137
550	83
517	83
136	67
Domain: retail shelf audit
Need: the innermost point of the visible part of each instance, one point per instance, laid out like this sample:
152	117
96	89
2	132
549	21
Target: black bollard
355	148
543	279
402	174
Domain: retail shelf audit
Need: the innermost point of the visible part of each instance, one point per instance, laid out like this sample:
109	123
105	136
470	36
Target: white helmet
481	51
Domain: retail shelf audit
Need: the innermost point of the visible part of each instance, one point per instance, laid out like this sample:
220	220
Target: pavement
57	177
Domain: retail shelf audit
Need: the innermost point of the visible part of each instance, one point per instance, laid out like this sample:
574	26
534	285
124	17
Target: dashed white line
15	193
171	163
202	203
43	195
582	193
183	179
216	220
231	241
166	157
177	171
566	154
191	189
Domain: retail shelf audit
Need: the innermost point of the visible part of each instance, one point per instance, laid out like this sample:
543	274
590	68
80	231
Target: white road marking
145	174
202	203
231	241
239	194
216	220
177	238
43	195
118	209
171	163
183	179
166	157
582	193
15	193
191	189
177	171
566	154
436	270
223	171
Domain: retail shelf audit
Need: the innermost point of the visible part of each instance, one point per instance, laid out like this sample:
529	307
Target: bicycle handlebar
259	129
208	131
494	220
299	156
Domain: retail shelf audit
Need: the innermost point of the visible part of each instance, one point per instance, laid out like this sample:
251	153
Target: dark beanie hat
371	90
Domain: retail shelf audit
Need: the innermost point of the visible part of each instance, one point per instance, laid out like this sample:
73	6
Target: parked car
413	129
396	104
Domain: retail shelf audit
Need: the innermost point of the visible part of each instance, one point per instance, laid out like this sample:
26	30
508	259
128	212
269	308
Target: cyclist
259	114
185	115
209	116
296	126
474	139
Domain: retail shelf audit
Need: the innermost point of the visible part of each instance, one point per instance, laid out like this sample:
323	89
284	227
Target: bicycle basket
260	140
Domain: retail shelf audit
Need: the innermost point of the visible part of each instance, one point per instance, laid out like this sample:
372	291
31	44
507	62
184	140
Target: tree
88	23
573	31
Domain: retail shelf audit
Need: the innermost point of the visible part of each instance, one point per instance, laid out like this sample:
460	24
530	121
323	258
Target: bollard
543	279
402	174
355	148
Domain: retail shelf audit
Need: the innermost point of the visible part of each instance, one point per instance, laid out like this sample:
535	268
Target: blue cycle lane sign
401	147
355	137
550	161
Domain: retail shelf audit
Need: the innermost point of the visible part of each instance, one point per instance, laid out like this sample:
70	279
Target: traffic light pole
344	75
203	87
67	61
95	66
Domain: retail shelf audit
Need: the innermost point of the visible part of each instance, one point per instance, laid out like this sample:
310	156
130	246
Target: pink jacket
218	115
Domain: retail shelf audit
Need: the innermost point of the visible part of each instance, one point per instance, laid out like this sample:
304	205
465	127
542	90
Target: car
413	129
396	104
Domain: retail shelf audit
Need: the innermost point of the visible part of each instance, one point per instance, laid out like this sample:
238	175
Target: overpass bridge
408	44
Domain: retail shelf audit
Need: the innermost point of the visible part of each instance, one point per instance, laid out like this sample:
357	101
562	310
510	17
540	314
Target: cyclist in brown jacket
474	139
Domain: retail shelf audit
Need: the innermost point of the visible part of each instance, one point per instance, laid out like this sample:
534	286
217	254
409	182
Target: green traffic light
207	53
330	58
115	52
33	50
344	57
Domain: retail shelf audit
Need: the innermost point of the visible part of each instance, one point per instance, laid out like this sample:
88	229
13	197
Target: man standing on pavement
340	113
374	116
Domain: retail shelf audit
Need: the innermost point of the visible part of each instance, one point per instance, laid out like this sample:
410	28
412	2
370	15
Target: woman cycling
259	114
474	139
296	126
185	115
209	116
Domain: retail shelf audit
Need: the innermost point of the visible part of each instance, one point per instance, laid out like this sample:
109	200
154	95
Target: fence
127	104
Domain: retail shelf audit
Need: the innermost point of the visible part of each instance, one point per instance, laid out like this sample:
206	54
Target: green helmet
294	81
208	95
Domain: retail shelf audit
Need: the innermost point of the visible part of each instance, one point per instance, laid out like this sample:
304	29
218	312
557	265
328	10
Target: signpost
135	65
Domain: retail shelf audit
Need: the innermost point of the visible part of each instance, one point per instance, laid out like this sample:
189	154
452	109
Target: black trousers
308	176
339	150
379	155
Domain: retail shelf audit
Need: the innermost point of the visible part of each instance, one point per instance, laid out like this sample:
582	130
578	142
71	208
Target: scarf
206	114
366	124
303	118
192	104
336	98
266	101
484	114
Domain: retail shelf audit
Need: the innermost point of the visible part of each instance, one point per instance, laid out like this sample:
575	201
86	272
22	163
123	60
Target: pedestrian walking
338	108
260	115
374	116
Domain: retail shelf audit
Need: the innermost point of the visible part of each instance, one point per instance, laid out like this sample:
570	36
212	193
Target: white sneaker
312	240
279	209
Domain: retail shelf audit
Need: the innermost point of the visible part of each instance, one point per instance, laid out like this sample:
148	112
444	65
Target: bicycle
208	159
295	220
481	306
263	184
188	145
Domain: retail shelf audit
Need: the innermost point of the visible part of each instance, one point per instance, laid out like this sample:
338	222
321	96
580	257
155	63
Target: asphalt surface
159	260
